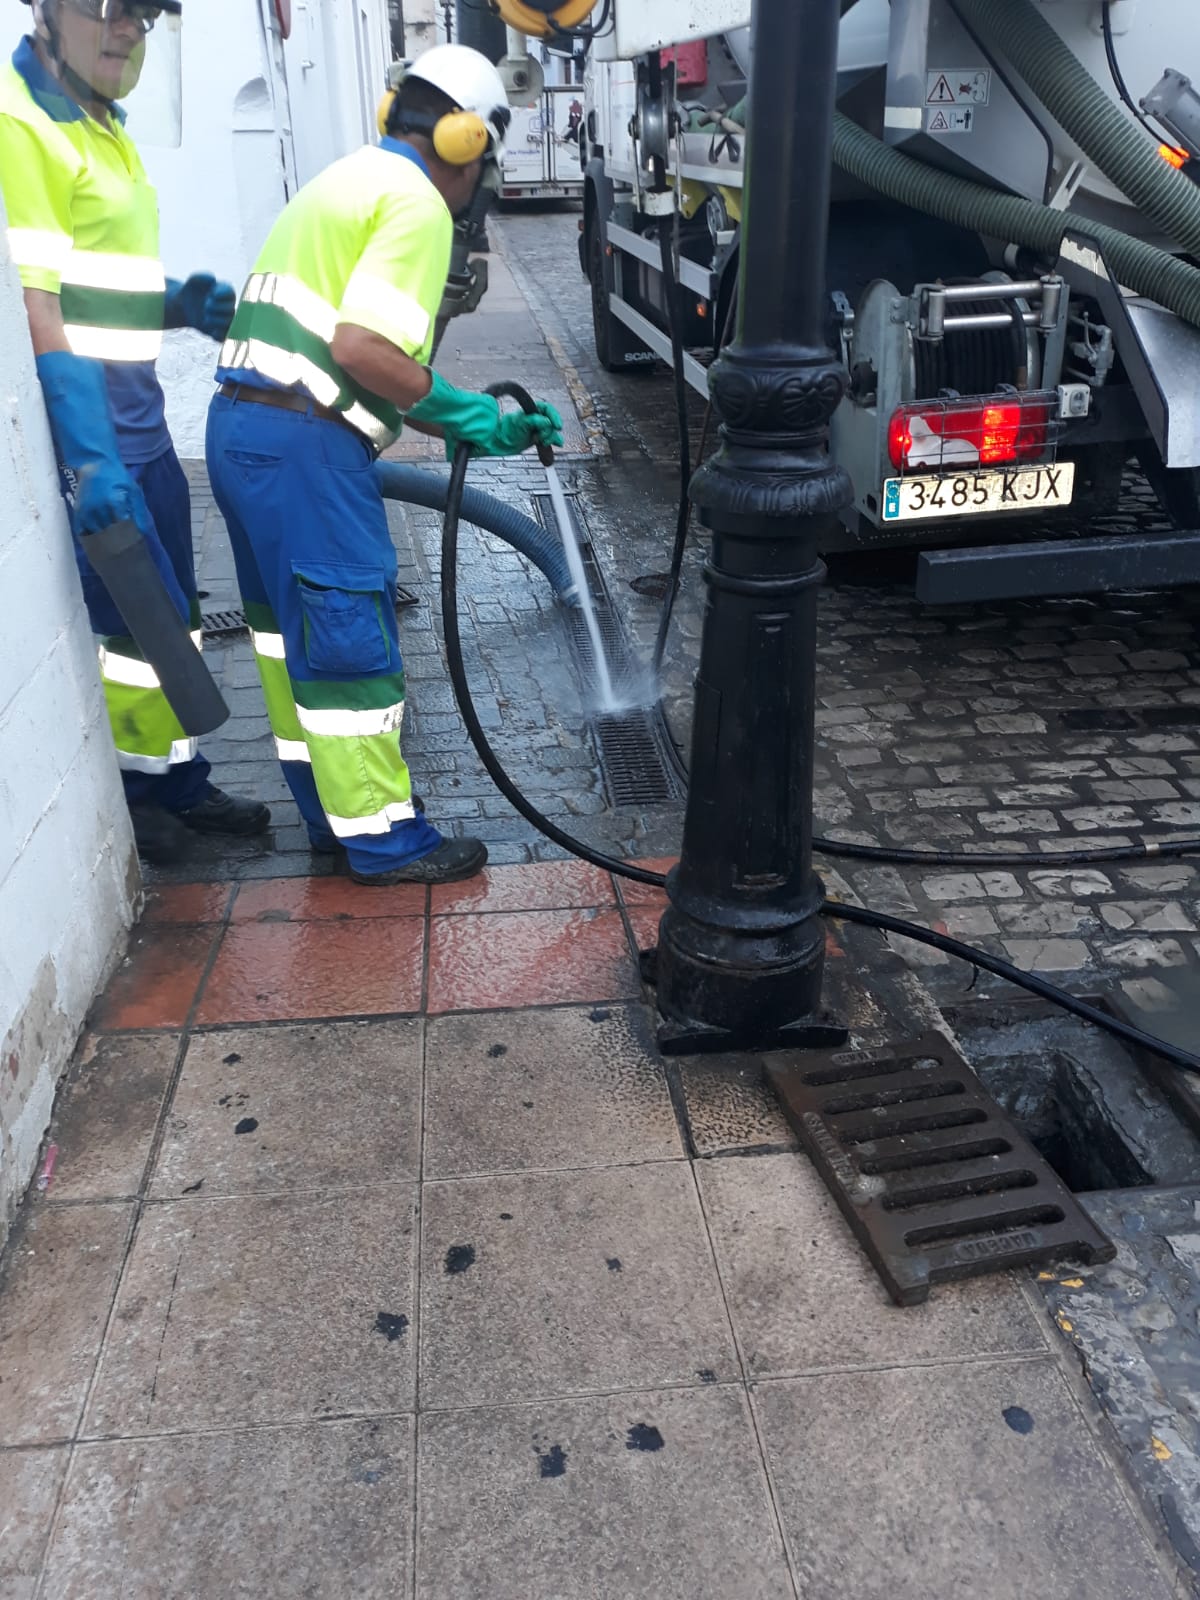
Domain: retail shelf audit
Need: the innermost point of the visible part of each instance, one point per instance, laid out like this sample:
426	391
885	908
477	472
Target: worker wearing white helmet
325	361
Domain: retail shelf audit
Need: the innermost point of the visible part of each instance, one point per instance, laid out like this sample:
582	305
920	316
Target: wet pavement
381	1251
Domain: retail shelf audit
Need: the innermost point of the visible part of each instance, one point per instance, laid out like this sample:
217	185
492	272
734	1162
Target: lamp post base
678	1035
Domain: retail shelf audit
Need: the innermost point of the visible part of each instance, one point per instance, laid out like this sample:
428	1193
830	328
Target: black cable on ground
844	850
1024	980
624	869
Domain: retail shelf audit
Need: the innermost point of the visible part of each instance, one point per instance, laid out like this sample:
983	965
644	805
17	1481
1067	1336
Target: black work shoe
335	847
452	860
219	812
160	837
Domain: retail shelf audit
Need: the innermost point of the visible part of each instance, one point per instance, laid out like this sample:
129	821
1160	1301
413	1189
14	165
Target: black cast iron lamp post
741	946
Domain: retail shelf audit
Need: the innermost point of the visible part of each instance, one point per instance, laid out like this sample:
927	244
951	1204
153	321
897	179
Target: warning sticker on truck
955	119
967	86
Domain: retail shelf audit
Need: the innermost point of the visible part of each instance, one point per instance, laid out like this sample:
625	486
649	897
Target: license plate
976	493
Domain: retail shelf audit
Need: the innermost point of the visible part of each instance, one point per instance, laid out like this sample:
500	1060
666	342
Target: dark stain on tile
193	1188
644	1436
459	1257
391	1324
246	1125
497	1050
613	1263
232	1059
506	1216
599	1014
552	1463
1018	1419
706	1375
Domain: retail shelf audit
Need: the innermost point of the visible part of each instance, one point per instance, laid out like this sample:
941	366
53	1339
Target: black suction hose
624	869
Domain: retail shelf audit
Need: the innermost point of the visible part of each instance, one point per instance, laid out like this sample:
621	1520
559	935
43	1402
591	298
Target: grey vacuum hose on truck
400	481
1073	97
1149	271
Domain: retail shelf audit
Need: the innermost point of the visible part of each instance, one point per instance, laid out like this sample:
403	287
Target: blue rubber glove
476	419
201	303
101	490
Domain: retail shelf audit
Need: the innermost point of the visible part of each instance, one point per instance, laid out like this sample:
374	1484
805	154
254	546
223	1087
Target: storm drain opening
935	1180
637	759
1095	1111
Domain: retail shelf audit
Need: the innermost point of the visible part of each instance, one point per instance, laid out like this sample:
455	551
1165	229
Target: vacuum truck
1013	279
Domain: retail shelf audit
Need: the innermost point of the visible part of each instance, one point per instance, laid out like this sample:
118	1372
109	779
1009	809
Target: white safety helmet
469	79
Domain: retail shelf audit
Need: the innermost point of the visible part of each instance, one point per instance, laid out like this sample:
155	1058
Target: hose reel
544	19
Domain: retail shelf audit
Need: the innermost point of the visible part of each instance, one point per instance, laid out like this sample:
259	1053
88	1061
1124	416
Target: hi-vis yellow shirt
83	224
366	241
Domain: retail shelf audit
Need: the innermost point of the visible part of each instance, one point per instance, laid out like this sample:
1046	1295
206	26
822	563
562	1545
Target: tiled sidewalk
382	1257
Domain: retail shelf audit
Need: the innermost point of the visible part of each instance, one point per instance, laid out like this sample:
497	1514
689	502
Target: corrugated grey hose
1074	98
1151	272
400	481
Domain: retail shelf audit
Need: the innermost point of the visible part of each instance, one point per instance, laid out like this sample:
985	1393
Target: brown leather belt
289	400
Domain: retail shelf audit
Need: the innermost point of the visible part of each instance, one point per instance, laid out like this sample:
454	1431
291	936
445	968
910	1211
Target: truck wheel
617	349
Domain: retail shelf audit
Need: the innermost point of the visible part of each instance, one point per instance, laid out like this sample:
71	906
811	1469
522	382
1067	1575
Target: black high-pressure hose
835	909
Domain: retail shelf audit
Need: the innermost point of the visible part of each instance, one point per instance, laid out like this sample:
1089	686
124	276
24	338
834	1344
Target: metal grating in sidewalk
934	1179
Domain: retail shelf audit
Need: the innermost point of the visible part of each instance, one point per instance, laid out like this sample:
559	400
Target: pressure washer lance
570	544
835	909
121	557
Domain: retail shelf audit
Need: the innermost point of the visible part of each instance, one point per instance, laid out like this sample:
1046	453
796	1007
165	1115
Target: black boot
453	860
160	837
219	812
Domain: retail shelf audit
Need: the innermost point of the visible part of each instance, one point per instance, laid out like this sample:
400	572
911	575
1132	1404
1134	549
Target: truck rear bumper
1059	567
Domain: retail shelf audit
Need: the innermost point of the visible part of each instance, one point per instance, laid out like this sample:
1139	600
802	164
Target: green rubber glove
476	419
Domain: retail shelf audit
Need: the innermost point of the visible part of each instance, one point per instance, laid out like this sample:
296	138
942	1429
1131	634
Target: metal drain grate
632	759
217	624
637	759
934	1180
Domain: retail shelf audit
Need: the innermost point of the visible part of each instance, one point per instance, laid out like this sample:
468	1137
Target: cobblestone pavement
1025	726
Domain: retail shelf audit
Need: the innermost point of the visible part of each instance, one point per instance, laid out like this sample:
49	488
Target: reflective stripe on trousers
147	733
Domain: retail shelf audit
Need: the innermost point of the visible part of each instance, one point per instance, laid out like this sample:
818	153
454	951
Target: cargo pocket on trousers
342	610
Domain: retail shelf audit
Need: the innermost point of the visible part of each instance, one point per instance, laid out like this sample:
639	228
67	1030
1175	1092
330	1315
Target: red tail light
991	431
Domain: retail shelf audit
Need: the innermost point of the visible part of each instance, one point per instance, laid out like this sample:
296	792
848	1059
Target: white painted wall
261	116
68	871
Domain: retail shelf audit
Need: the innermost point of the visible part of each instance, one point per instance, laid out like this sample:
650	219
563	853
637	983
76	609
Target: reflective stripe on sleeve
39	247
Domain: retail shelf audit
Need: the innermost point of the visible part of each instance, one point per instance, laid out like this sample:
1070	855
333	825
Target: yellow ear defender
459	137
